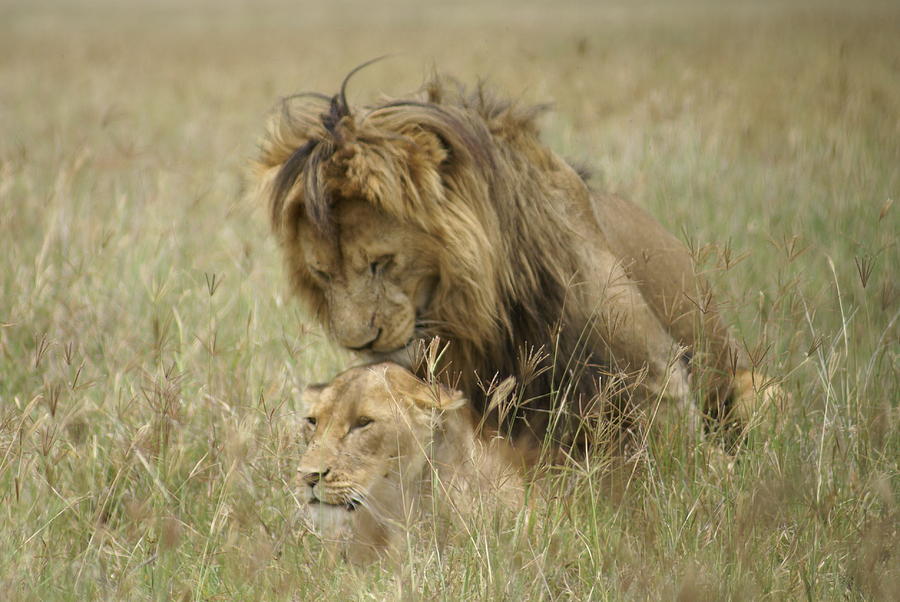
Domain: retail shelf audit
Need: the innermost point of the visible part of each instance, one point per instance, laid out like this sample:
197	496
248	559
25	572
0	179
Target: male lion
445	216
378	439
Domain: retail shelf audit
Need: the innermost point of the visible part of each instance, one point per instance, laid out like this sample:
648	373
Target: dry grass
148	350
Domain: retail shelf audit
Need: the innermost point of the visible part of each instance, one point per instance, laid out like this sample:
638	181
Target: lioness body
447	217
377	440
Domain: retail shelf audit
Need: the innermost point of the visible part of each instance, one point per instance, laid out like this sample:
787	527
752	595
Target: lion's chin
405	356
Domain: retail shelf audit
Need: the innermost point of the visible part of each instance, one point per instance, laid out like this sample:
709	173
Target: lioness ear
437	397
423	395
308	395
451	399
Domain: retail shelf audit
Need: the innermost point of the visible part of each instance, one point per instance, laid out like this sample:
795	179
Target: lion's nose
367	346
312	478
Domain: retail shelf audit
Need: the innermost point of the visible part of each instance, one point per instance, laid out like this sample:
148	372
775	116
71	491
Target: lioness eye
362	421
311	420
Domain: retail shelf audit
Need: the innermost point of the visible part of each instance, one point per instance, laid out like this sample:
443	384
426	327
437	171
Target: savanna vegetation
149	352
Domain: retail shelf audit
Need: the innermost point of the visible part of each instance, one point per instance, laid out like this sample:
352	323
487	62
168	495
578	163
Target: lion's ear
443	151
430	155
447	140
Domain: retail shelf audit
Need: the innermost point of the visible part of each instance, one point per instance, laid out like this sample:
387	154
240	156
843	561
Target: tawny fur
497	246
383	440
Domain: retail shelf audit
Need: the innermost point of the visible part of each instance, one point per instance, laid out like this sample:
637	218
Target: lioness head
369	436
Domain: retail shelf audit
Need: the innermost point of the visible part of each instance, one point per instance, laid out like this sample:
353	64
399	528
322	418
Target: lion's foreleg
637	340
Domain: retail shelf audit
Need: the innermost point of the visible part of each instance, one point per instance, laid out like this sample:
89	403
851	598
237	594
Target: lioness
444	215
377	440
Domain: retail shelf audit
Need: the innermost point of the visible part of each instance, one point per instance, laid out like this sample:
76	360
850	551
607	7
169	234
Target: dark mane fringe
288	175
555	381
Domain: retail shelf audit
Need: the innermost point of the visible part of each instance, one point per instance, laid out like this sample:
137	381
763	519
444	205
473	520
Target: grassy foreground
148	348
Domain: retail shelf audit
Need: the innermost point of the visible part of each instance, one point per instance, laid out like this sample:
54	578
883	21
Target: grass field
148	347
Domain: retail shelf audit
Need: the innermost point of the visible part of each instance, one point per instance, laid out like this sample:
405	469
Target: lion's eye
379	264
361	422
320	275
311	420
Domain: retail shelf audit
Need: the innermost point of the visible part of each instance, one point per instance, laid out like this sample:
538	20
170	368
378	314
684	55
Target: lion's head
374	210
374	436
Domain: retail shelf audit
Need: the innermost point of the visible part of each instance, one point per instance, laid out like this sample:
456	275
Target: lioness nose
312	478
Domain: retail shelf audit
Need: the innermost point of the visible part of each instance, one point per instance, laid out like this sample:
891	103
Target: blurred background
149	352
